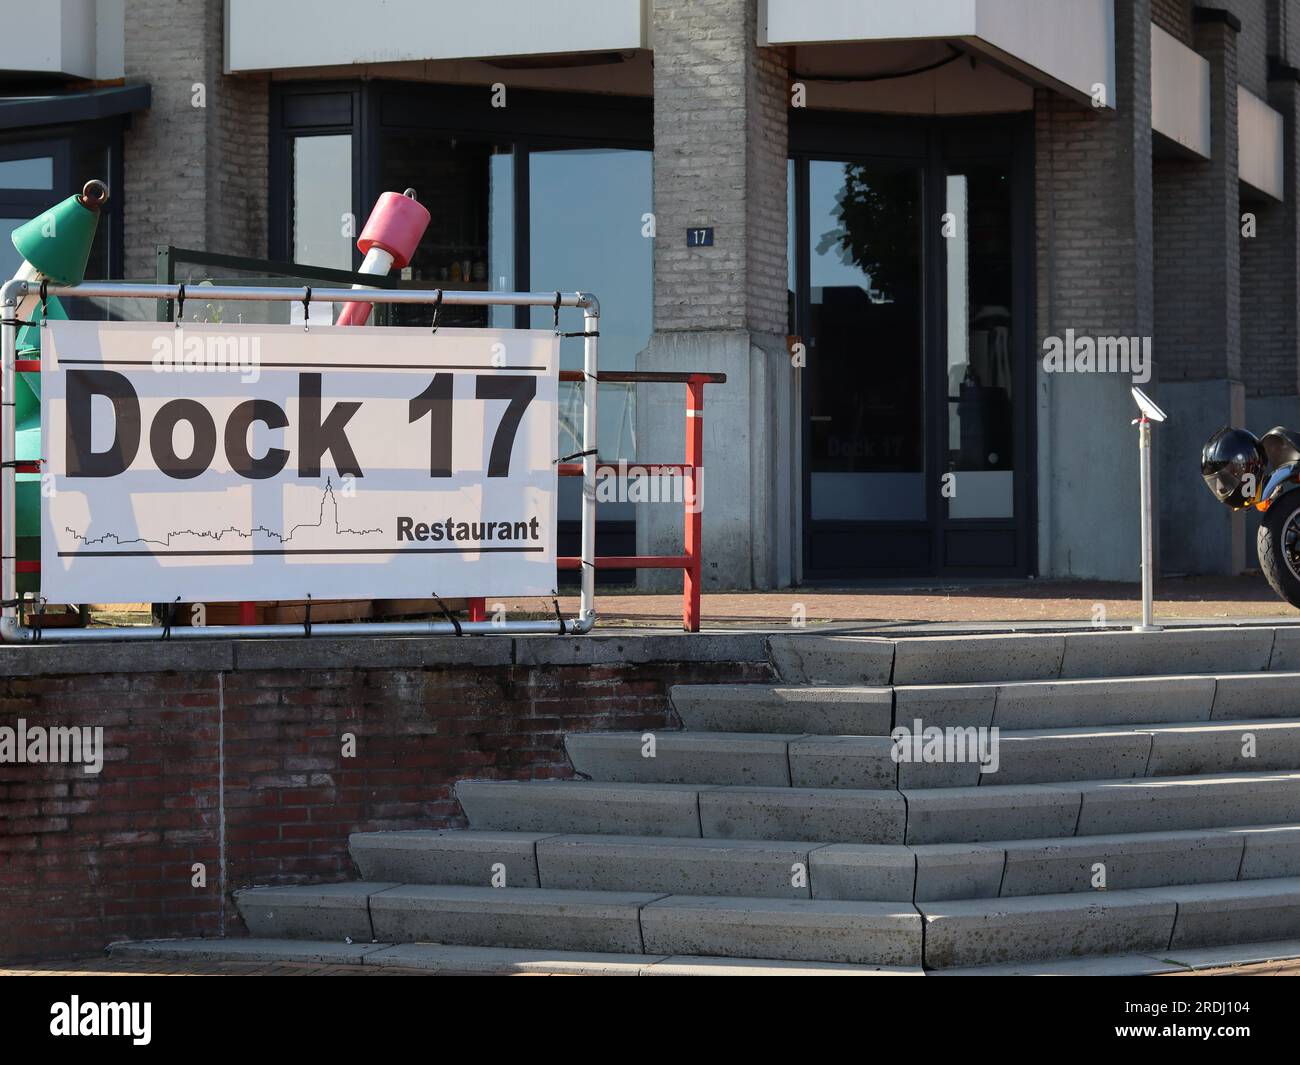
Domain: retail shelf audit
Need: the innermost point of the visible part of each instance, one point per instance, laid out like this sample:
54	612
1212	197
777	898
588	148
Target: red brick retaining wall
238	751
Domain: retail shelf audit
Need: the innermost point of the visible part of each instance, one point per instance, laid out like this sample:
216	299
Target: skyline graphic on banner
327	496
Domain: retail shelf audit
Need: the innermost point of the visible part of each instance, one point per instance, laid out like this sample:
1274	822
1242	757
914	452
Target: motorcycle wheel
1279	547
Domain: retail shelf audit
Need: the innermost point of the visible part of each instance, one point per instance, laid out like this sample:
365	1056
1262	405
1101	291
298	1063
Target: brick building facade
1120	169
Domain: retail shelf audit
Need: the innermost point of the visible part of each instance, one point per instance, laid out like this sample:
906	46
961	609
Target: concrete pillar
1270	270
720	157
1094	275
1198	317
1270	278
196	161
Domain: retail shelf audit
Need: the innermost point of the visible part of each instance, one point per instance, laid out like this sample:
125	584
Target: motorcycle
1245	471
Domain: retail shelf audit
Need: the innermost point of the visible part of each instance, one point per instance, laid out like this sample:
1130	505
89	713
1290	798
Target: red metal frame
690	562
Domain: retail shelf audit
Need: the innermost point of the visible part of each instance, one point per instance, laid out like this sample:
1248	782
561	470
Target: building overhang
24	112
1065	45
291	34
64	39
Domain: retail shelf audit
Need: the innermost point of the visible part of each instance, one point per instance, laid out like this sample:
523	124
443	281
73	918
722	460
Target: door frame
932	143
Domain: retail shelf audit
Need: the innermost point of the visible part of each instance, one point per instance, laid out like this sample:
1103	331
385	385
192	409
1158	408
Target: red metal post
248	613
478	609
694	509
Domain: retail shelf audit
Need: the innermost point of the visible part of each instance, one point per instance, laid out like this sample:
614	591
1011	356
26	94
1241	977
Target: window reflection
866	363
35	173
468	188
587	229
979	342
322	201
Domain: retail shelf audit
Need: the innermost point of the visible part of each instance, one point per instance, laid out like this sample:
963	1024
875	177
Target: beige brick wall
195	176
720	160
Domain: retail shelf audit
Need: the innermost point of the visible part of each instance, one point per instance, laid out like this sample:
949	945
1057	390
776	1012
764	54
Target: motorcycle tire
1278	558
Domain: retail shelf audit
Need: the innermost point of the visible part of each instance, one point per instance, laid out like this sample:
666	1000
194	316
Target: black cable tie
437	311
455	624
45	300
556	323
559	617
38	630
580	333
306	619
168	618
306	308
180	304
577	455
15	463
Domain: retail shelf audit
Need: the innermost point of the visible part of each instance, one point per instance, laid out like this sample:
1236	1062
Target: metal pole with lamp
1149	413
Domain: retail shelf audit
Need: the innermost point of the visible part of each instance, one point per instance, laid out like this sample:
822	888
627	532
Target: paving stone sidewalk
884	607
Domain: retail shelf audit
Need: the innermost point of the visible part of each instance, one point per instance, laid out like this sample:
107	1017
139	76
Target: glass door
865	376
911	293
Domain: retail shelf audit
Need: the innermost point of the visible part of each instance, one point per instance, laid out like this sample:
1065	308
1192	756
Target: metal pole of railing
10	298
590	392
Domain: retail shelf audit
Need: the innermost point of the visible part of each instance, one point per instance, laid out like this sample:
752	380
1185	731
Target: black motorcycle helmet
1228	458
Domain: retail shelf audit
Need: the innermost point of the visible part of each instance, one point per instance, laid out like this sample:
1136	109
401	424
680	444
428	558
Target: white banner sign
218	463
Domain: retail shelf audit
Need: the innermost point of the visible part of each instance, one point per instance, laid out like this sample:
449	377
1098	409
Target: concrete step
1102	701
844	872
605	921
1021	756
914	816
1102	807
442	958
815	710
857	661
833	660
537	918
745	868
1049	755
320	911
789	929
1007	930
449	856
681	757
873	711
956	932
581	806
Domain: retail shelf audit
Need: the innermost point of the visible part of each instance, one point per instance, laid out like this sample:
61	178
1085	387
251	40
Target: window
32	173
324	231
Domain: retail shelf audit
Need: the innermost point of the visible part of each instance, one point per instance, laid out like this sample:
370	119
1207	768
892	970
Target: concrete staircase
1145	804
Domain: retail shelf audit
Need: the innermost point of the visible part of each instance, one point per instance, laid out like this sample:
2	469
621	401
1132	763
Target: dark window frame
533	120
60	142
